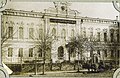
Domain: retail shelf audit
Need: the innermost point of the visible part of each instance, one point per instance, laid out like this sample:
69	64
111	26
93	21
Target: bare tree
43	43
5	36
78	44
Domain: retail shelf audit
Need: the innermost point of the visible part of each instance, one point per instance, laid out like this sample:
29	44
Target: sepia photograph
66	39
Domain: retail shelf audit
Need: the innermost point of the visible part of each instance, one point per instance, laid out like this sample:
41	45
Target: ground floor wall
57	54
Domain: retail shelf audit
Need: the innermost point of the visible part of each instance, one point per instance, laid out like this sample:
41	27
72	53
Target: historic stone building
21	30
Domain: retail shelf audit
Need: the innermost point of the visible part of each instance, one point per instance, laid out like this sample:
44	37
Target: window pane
98	52
31	33
20	32
54	32
84	34
10	32
40	53
117	37
63	34
10	52
31	52
91	35
105	52
40	33
98	36
105	37
111	35
60	52
20	54
112	53
118	54
72	33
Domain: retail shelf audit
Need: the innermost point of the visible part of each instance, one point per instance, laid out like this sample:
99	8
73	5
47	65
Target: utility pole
44	42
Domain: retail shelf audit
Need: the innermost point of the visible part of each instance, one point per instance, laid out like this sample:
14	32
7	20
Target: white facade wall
36	22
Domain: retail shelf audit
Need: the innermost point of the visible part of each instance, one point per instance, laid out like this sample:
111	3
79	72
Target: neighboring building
22	26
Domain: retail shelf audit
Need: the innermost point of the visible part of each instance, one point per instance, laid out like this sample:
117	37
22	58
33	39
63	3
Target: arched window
111	35
40	33
10	52
10	32
72	33
117	35
31	33
60	52
105	36
63	34
54	32
98	36
20	32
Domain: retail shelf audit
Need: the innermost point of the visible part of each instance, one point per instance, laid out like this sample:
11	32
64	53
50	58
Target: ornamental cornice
98	20
21	13
40	15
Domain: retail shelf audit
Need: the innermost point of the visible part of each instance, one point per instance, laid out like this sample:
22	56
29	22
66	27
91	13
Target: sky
90	9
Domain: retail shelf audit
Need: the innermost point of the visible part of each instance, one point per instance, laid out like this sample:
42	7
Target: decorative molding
3	3
116	6
40	14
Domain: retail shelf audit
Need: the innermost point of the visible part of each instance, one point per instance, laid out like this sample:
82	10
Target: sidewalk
67	74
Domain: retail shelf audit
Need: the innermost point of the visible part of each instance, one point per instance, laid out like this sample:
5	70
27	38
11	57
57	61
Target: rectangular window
117	37
105	37
111	35
10	52
112	53
31	33
10	32
40	33
20	54
20	33
105	52
98	36
91	36
30	52
118	54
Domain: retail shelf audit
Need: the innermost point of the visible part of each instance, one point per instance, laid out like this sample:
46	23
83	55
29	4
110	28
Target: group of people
97	67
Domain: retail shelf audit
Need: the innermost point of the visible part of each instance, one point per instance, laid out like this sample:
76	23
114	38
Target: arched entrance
60	52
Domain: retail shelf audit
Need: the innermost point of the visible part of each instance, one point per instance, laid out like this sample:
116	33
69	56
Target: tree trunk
35	68
51	64
43	64
78	62
43	69
69	55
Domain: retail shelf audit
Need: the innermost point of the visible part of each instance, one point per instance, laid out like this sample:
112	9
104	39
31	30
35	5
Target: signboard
62	21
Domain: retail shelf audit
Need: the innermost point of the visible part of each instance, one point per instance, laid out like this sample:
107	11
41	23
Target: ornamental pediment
62	8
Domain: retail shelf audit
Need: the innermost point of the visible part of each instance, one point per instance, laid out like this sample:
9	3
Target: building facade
21	31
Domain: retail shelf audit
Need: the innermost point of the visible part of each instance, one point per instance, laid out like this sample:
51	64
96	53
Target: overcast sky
89	9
